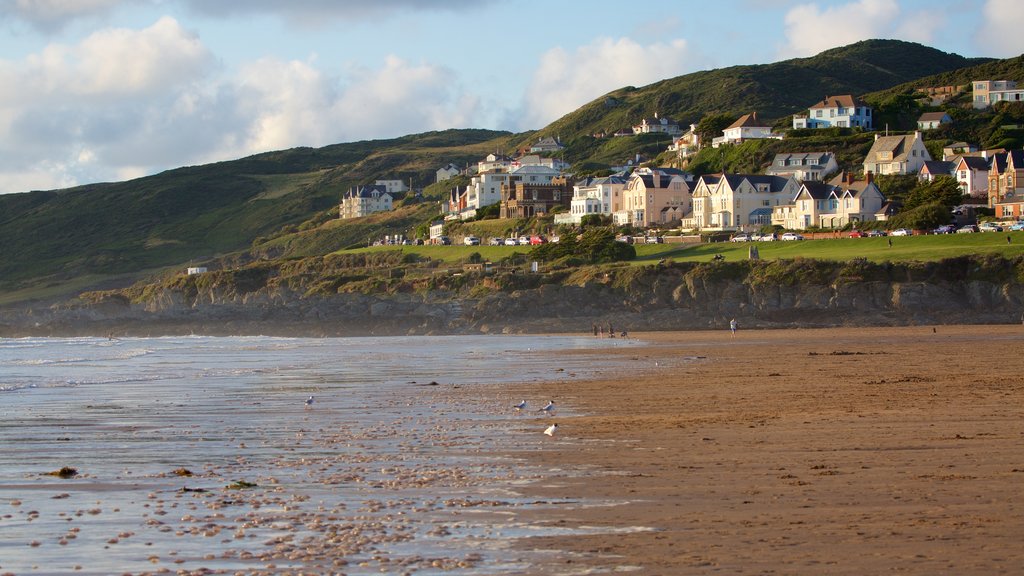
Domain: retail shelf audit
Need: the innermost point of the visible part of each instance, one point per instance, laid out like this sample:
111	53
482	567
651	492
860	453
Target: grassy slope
105	230
911	248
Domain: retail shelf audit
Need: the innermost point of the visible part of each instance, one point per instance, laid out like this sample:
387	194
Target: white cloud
811	29
122	103
1001	28
565	81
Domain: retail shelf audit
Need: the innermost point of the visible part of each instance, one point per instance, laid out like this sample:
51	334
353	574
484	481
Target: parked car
769	237
945	229
901	232
970	228
990	227
792	236
1017	227
654	240
741	237
537	239
471	241
496	241
857	234
876	233
511	242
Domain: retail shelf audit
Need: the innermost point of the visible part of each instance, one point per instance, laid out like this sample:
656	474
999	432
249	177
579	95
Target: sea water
200	453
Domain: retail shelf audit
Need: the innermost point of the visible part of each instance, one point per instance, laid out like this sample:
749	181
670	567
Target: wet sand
838	451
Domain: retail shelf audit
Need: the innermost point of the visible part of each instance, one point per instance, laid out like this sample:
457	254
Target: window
765	202
817	113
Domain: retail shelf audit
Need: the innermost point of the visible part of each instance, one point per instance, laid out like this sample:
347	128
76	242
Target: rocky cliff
664	297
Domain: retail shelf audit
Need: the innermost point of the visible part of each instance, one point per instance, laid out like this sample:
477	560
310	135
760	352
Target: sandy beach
839	451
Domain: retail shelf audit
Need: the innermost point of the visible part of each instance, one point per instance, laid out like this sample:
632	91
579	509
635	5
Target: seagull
550	430
520	406
309	401
549	408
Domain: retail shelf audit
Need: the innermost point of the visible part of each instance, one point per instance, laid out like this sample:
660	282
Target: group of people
599	331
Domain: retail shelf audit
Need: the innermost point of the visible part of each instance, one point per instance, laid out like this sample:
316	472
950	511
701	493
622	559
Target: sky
109	90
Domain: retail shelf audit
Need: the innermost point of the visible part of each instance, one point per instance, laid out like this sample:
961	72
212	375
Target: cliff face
672	297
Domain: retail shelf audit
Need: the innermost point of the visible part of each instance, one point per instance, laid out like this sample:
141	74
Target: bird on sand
520	406
549	408
309	401
550	430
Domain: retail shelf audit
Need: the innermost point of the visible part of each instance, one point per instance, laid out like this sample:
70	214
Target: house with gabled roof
935	168
592	196
902	154
803	165
365	200
654	196
931	120
547	144
663	125
1005	177
747	127
844	111
951	151
447	172
739	201
831	205
971	173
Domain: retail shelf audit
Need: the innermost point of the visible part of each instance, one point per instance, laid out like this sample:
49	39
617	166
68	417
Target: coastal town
797	192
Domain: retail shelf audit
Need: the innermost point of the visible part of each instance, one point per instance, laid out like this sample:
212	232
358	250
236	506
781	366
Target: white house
196	270
688	143
803	165
392	186
536	160
932	120
904	154
843	111
590	196
738	201
971	174
365	200
447	172
493	163
748	127
436	231
989	92
657	125
832	205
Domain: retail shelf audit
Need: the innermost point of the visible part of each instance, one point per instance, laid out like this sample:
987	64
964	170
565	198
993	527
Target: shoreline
847	450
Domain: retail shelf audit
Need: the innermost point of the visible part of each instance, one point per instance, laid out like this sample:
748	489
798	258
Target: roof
841	101
938	167
817	190
974	162
366	191
933	117
761	212
898	145
747	121
775	183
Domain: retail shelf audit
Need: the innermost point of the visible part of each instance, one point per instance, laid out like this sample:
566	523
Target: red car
856	234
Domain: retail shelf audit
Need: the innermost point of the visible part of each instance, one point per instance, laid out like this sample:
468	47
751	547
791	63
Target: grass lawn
922	248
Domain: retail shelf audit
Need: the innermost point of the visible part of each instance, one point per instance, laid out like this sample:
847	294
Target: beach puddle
196	455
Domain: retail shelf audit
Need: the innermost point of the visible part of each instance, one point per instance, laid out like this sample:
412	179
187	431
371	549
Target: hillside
85	234
773	90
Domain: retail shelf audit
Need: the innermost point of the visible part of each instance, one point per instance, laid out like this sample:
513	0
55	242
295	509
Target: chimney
871	176
850	178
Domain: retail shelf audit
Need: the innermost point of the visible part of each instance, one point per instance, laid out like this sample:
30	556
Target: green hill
91	232
773	90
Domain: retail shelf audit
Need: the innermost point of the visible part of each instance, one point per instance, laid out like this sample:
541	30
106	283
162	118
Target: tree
711	126
923	217
943	189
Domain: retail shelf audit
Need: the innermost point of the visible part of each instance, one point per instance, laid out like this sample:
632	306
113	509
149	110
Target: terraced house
654	196
833	205
738	201
1006	183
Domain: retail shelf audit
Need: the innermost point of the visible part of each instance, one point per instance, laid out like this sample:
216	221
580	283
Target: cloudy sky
103	90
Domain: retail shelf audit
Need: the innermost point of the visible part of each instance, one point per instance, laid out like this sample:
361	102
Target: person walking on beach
733	326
